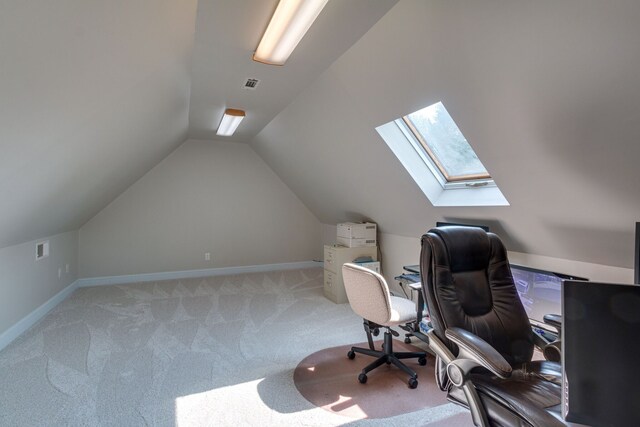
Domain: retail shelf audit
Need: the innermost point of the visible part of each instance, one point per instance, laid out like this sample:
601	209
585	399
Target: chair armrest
475	348
553	350
554	320
473	352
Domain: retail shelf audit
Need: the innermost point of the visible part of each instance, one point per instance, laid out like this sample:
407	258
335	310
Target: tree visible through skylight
445	144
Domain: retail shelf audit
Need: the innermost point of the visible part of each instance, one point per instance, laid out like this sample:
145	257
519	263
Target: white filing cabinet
334	258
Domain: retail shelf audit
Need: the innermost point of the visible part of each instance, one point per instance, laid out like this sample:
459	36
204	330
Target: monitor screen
600	353
539	291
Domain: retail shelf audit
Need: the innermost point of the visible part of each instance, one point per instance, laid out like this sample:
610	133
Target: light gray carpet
209	351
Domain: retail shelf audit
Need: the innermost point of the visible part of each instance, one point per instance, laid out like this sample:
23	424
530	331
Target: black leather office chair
481	333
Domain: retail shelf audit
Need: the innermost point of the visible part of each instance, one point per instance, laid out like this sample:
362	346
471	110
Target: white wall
93	95
398	251
207	196
546	93
25	283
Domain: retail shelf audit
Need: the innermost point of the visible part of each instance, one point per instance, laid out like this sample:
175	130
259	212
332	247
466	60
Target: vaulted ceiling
93	94
227	33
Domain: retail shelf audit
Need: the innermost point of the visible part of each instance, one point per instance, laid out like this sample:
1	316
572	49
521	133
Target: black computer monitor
601	353
636	260
540	291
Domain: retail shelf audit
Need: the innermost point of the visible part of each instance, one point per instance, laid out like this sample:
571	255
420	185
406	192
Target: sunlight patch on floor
228	406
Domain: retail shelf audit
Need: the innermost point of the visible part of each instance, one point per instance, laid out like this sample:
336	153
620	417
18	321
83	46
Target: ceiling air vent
251	83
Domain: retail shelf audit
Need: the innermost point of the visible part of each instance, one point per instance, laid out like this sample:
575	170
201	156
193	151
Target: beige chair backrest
368	293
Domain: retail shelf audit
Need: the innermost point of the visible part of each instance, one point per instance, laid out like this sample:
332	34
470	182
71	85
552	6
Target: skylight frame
468	178
405	147
472	182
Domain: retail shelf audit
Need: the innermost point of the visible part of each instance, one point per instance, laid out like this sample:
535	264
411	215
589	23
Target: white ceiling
227	33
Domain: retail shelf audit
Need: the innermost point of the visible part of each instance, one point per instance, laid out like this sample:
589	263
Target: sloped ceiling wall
546	92
92	95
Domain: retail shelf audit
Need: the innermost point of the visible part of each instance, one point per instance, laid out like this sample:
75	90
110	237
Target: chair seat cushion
402	311
532	396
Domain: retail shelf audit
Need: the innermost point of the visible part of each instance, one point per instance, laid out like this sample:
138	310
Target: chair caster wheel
422	361
407	340
351	354
413	383
362	378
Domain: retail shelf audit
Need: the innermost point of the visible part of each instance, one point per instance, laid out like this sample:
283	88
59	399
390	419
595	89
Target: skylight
445	144
440	160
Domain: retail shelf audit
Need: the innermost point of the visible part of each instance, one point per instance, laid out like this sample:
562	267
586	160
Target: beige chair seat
402	311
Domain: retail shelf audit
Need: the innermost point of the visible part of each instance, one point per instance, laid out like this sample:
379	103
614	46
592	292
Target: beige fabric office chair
370	298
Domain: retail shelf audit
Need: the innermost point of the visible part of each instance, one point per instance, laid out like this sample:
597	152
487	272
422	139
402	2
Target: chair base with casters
389	357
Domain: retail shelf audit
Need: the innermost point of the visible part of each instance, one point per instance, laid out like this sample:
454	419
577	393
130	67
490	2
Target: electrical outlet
66	268
59	272
207	256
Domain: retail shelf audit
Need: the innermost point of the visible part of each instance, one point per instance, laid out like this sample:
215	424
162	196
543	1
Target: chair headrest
468	248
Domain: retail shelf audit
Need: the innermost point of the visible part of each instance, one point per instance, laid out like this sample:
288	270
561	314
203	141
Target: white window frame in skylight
443	141
468	181
473	191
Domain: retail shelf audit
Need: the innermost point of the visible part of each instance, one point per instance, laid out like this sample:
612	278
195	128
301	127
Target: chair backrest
467	283
368	293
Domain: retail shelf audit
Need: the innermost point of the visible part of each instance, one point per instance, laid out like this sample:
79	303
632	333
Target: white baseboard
32	318
187	274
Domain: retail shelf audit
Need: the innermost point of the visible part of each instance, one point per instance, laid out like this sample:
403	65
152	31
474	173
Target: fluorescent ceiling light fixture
288	25
230	122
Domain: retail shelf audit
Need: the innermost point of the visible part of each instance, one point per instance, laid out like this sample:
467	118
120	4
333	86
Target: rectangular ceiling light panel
290	22
230	122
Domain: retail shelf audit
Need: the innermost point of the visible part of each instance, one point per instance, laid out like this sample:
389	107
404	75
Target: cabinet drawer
330	284
336	256
330	259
